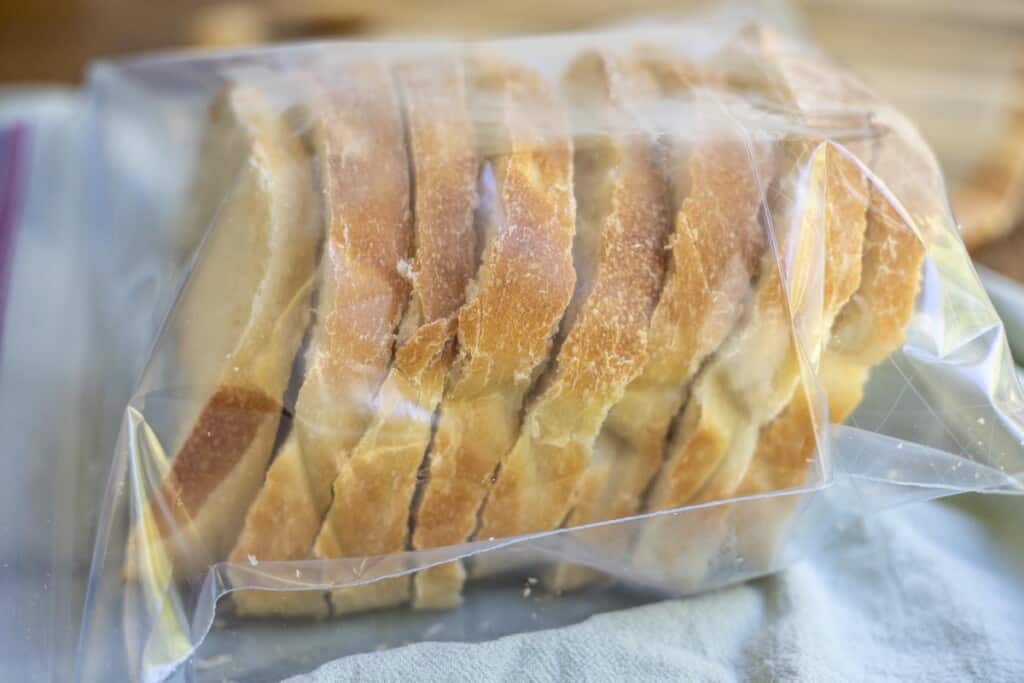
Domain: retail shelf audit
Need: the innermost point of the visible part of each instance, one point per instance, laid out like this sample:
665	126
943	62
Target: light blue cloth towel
930	592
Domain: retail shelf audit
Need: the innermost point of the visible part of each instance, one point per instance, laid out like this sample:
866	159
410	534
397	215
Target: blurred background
956	67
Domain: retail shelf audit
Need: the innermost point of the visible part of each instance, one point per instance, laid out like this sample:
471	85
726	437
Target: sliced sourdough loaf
521	290
623	224
374	489
238	324
358	139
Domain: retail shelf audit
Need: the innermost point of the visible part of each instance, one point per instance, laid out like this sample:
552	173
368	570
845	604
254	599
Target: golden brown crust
267	230
360	145
374	489
606	343
444	174
524	284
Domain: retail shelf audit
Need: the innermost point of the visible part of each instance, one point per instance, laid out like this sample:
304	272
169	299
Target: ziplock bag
660	306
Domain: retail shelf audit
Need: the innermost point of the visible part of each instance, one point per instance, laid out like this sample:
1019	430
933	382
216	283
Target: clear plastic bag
558	310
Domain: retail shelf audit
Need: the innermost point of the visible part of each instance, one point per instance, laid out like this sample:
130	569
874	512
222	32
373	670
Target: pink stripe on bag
13	145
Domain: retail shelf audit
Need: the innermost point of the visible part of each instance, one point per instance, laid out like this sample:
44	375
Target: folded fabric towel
930	592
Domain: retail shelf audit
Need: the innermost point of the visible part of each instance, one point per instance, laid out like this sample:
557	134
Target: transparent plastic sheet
709	202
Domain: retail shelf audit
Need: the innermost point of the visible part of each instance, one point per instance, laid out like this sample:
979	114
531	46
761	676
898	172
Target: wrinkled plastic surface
604	130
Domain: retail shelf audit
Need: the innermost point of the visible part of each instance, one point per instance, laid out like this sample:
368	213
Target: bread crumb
405	269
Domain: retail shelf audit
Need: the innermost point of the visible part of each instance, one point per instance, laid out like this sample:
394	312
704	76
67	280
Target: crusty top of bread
364	172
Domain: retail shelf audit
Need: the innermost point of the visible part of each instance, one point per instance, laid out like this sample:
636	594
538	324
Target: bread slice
359	142
847	198
238	322
521	291
869	328
623	226
713	258
815	88
374	489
